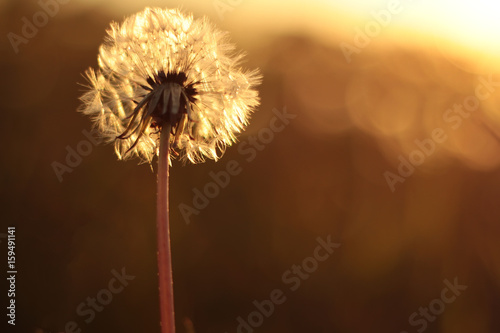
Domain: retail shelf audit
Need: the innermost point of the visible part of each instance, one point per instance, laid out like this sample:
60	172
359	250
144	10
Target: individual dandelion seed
169	84
160	67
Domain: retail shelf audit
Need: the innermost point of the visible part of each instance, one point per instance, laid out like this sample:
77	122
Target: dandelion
169	85
162	68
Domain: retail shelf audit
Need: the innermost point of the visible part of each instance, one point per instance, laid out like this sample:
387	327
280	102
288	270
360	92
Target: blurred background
394	154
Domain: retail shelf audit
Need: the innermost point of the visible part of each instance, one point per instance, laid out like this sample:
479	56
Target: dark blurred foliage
322	175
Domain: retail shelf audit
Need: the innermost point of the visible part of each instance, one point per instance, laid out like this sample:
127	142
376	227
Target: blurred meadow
391	149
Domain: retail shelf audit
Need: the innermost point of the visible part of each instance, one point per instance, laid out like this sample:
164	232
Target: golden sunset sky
470	26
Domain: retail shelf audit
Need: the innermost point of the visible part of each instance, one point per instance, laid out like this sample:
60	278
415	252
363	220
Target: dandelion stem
162	224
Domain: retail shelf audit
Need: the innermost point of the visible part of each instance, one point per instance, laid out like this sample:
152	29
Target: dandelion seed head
162	68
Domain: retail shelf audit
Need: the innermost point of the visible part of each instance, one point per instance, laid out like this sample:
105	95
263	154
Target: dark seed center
168	100
167	113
